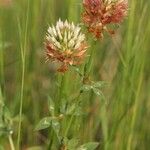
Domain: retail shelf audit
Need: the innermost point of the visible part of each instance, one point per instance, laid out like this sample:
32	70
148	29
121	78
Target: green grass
120	121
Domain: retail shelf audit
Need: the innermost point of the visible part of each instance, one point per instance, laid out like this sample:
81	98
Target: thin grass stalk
131	26
21	96
23	47
1	59
135	112
104	123
11	142
136	103
119	52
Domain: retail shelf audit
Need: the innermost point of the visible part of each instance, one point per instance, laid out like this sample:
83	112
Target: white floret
65	36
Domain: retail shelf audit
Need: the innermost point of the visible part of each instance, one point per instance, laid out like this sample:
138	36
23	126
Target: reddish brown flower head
99	13
65	44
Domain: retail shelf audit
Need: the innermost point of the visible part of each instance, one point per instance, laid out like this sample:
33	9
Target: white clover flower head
65	43
65	36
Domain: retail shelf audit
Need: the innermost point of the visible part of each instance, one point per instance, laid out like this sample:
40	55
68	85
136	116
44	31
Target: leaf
71	109
100	84
44	123
63	107
72	144
56	128
56	125
86	87
98	92
89	146
51	106
77	70
78	111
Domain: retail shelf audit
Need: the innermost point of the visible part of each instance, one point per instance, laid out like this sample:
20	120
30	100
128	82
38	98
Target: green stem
90	62
87	72
62	87
72	116
61	95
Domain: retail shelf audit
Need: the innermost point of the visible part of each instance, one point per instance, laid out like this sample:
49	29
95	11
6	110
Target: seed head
65	44
98	14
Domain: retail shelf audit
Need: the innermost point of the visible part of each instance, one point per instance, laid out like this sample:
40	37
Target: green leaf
78	111
71	109
44	123
77	70
100	84
98	92
86	87
72	144
51	106
89	146
63	107
56	128
56	125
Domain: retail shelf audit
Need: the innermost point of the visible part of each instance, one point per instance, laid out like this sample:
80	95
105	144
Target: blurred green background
123	61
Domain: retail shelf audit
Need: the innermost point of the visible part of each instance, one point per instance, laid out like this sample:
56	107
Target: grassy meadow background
123	61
